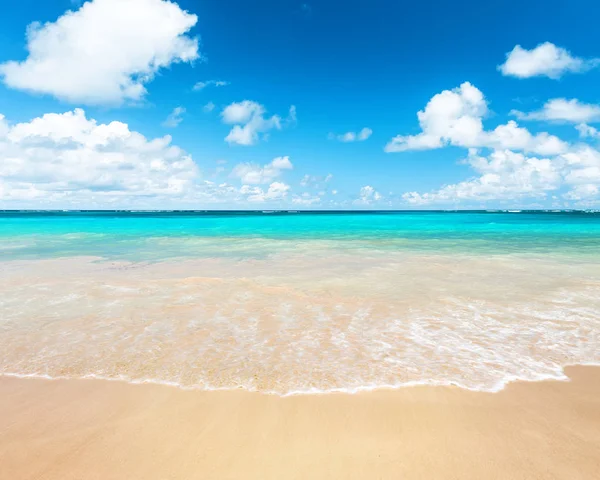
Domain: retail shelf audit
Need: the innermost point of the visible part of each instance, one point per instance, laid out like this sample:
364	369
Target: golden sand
92	429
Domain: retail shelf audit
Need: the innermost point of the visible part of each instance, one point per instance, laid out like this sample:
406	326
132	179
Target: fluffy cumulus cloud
347	137
63	157
250	123
105	52
582	172
563	110
253	173
367	196
502	175
174	118
546	60
508	175
509	162
276	191
455	117
67	160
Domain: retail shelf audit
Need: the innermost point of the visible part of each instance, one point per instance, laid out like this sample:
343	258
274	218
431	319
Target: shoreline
300	393
70	429
290	323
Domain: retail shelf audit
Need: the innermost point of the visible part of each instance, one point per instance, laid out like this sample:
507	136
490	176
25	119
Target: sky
285	104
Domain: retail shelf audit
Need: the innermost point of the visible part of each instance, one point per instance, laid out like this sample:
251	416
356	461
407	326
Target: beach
94	429
249	345
299	240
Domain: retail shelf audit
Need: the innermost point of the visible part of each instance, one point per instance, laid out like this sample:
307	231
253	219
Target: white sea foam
289	325
559	376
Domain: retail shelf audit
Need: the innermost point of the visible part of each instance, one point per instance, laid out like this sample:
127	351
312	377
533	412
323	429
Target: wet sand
93	429
300	323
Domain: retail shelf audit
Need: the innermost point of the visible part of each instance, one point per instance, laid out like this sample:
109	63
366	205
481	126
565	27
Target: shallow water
300	303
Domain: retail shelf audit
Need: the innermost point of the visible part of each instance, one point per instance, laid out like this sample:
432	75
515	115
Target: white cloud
563	110
583	192
209	107
174	118
544	60
215	83
582	174
282	163
503	175
249	121
241	112
511	136
292	118
306	199
582	166
68	160
454	117
105	52
585	131
315	181
367	196
307	180
364	134
347	137
507	175
276	191
66	156
520	165
256	174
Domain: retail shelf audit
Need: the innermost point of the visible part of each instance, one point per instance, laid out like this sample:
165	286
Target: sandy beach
299	240
93	429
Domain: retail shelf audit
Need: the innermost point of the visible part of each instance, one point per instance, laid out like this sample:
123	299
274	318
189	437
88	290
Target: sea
297	302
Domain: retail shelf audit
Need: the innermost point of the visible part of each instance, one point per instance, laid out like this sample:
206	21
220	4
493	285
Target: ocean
300	302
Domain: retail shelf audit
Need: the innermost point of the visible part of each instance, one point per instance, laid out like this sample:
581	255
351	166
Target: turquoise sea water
305	302
152	236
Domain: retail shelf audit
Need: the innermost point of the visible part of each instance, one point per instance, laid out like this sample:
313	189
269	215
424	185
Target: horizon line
270	211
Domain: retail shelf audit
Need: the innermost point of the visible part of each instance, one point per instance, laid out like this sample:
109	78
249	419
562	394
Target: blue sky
300	79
